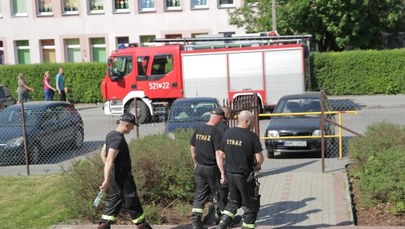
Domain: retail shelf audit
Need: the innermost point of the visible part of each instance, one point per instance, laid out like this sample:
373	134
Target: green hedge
359	72
82	79
337	73
378	160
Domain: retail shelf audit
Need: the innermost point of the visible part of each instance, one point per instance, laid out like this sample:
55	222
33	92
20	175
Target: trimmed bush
360	72
82	79
378	165
163	172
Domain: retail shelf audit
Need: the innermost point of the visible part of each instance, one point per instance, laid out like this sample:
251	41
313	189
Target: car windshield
12	117
298	105
192	111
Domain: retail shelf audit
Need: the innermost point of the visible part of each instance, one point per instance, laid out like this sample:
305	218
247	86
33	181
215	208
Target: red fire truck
227	68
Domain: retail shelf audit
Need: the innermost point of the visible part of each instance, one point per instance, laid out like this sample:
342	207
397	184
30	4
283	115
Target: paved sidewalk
295	194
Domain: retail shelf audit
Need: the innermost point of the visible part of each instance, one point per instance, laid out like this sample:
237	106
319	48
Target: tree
334	24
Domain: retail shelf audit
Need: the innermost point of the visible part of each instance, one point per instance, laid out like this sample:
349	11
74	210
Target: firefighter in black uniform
208	164
243	155
118	178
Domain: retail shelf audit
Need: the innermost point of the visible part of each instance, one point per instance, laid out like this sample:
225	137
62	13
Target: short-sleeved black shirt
206	141
240	146
116	140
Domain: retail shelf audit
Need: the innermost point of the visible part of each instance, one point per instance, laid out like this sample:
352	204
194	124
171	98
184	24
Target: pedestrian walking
118	178
208	164
23	90
243	155
60	84
49	91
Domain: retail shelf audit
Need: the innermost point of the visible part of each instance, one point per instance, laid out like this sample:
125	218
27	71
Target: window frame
172	8
195	6
74	10
226	5
71	46
100	7
18	14
47	47
47	12
94	46
23	48
120	10
146	9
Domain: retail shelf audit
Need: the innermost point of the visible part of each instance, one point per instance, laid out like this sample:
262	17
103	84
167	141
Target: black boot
225	222
197	222
144	225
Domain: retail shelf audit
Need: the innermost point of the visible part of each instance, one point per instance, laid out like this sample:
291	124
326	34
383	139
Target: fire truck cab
153	77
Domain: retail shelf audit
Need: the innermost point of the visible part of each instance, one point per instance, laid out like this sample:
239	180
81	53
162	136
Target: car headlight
273	133
16	142
171	136
316	133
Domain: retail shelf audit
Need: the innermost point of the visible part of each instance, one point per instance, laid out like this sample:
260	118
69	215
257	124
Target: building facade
57	31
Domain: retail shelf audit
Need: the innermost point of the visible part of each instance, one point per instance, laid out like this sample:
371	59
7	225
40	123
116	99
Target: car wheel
34	154
270	154
78	138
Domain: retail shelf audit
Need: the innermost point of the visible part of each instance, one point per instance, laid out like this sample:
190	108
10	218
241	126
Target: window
198	4
146	5
226	3
98	53
161	65
121	5
48	51
19	8
122	66
122	42
146	38
172	4
173	36
1	53
142	63
70	7
95	6
23	52
44	7
72	47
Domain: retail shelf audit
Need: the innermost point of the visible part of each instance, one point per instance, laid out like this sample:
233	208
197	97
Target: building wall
108	23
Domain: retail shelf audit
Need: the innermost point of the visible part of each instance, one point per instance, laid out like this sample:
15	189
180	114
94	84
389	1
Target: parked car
6	99
189	113
307	125
52	127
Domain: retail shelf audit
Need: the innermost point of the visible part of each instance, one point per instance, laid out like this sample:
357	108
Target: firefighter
243	155
118	178
208	164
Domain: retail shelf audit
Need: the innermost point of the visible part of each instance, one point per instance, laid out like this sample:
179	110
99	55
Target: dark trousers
62	95
207	183
242	193
122	193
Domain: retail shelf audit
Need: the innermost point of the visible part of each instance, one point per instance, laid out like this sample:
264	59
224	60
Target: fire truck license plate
296	143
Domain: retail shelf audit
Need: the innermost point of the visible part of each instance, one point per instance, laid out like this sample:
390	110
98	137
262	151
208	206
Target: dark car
6	99
51	127
190	113
307	125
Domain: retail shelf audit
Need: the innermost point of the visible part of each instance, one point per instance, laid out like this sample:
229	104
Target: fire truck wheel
142	111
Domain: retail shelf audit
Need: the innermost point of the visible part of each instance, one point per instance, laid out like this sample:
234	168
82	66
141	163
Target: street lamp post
273	15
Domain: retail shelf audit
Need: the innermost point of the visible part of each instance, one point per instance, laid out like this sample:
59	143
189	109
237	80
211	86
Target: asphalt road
370	109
